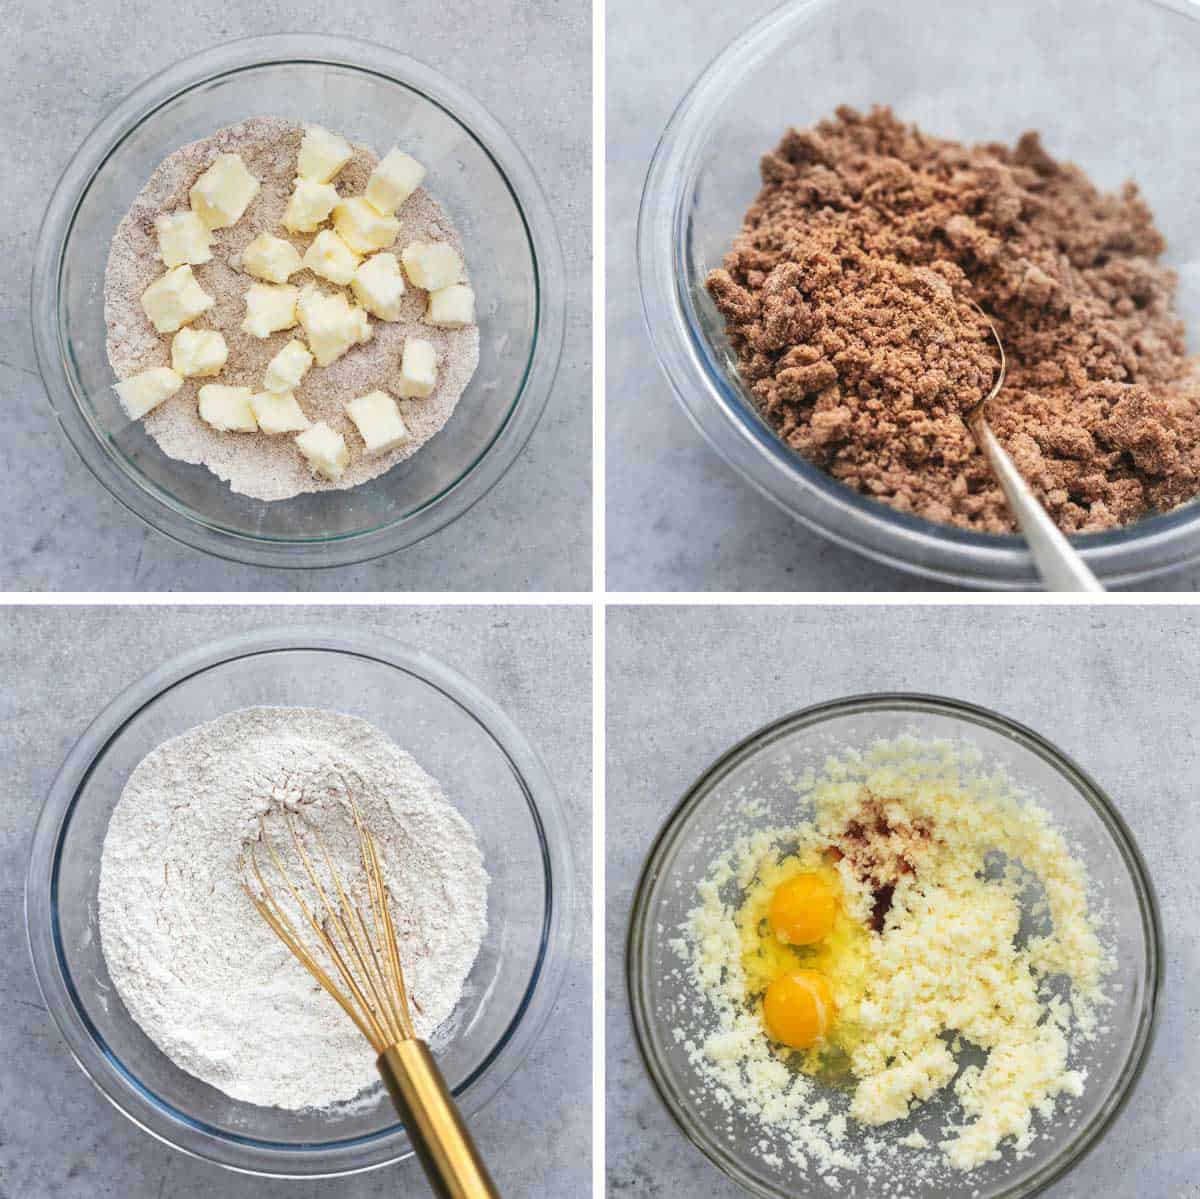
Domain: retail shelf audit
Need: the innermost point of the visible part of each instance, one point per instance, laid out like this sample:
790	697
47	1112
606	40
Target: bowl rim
642	1019
120	1087
150	503
730	425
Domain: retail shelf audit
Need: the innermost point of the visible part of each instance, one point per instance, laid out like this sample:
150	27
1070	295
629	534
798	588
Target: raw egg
802	910
798	1008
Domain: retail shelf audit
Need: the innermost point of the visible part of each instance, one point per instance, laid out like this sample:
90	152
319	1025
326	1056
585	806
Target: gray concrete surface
58	1138
680	519
62	531
1113	687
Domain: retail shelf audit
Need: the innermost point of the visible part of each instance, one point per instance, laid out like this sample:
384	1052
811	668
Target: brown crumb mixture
846	297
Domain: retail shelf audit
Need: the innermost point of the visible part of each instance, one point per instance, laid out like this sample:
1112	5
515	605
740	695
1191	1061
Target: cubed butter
378	285
223	192
271	258
174	299
377	418
288	367
451	307
183	237
331	324
393	180
432	265
141	393
309	205
227	408
325	449
270	307
322	154
278	412
198	352
362	227
418	369
331	258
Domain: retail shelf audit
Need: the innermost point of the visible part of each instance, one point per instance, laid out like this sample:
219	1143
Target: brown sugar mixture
848	296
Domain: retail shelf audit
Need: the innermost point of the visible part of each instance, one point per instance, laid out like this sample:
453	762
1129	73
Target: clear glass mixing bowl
375	96
1111	85
765	767
488	771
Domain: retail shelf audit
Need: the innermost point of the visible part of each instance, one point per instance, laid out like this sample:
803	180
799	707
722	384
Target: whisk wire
377	1034
384	925
342	919
269	909
364	955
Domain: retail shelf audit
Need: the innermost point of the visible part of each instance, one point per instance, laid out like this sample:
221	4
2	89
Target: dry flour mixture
196	966
256	464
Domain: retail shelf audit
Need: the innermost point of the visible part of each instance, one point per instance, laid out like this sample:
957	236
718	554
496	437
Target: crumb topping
847	298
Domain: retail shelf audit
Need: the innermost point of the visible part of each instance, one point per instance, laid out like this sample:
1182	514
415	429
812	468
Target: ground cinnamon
848	300
880	852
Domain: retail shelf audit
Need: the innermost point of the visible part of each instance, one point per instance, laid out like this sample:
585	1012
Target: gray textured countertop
1112	687
679	518
59	1139
62	530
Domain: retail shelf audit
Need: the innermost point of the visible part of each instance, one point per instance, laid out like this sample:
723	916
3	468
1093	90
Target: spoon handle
1061	568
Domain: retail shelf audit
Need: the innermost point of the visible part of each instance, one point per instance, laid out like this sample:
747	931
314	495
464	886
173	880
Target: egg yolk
798	1008
802	910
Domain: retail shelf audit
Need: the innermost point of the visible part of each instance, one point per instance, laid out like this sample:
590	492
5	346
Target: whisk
362	972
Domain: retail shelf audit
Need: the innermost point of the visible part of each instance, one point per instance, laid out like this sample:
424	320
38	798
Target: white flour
194	963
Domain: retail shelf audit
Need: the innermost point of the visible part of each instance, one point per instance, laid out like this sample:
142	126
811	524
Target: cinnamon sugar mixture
847	294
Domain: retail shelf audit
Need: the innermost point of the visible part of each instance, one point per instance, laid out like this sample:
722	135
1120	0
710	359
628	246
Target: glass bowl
764	766
372	95
1112	89
488	771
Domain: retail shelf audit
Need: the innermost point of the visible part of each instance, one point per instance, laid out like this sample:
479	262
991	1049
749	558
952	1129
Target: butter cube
451	307
331	323
271	258
309	205
393	181
198	352
287	368
331	258
223	192
174	299
377	418
325	449
362	228
278	412
322	154
140	393
270	307
418	369
432	265
378	286
183	237
227	408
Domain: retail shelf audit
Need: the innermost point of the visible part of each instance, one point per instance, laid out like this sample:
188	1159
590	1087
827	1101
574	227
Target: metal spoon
1061	568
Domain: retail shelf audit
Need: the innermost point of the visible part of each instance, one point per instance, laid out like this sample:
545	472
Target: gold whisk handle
451	1161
